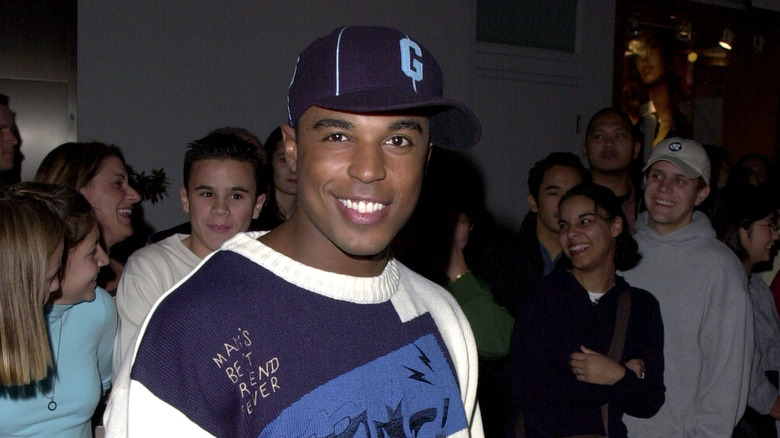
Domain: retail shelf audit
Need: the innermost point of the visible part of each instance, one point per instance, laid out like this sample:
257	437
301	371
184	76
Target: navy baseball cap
363	69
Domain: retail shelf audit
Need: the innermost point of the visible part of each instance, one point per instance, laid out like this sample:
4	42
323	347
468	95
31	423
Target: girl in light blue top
81	321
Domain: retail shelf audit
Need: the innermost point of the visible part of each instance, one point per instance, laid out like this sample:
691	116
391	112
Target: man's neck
597	281
664	229
618	182
321	253
286	203
548	239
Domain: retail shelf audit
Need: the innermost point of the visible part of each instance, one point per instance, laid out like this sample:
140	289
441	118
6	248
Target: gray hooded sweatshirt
708	324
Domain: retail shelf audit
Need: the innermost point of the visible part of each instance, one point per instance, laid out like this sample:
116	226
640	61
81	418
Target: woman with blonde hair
81	321
31	245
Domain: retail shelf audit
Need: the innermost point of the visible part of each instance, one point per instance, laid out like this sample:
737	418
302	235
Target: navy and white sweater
255	344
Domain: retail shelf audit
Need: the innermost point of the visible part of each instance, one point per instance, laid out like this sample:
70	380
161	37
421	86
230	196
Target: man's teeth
665	203
362	206
125	211
580	247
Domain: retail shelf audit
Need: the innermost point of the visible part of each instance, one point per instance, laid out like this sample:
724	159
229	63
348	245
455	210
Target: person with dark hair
447	235
513	265
282	185
10	141
231	131
81	323
610	149
222	191
653	88
568	376
747	225
702	289
757	168
719	169
245	135
514	262
314	328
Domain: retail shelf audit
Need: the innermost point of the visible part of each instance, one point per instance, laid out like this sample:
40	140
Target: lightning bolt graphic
423	358
416	375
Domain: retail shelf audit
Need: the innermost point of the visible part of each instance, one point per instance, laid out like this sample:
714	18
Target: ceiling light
727	39
683	31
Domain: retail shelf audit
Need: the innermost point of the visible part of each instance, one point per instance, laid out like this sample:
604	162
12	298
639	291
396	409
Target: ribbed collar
362	290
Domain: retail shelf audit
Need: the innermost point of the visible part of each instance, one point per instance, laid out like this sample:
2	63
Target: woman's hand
593	367
637	366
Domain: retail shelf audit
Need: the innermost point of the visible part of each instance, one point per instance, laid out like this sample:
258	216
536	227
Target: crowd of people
345	278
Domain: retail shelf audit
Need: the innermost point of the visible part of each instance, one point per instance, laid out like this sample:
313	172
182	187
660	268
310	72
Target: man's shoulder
223	269
417	283
167	248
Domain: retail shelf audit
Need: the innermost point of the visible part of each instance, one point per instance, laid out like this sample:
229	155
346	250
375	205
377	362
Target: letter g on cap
411	67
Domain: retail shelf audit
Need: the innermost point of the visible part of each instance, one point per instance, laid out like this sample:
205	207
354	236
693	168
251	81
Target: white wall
530	100
153	76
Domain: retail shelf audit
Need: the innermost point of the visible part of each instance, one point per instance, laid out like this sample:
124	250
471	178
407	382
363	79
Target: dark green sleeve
491	323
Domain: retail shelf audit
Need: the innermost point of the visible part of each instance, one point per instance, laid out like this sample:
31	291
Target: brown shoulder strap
618	341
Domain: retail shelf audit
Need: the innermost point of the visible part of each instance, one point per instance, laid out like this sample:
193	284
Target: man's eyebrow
203	187
405	124
334	123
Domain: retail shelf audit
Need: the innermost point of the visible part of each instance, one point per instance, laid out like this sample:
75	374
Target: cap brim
686	170
453	125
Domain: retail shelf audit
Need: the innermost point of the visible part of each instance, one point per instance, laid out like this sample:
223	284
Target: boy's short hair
536	174
221	146
624	118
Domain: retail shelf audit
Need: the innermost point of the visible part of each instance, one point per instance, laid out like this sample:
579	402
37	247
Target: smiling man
702	289
317	330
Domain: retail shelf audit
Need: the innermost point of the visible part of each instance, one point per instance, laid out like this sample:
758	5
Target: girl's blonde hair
29	235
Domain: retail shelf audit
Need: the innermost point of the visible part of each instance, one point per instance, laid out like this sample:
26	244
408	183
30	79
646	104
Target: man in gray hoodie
702	289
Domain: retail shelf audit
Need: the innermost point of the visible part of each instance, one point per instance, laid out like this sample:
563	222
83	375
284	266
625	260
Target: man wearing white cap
702	289
314	329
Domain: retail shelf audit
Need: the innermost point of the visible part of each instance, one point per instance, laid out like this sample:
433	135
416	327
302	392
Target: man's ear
744	235
427	158
532	204
585	150
259	203
616	226
637	149
702	195
290	146
185	203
